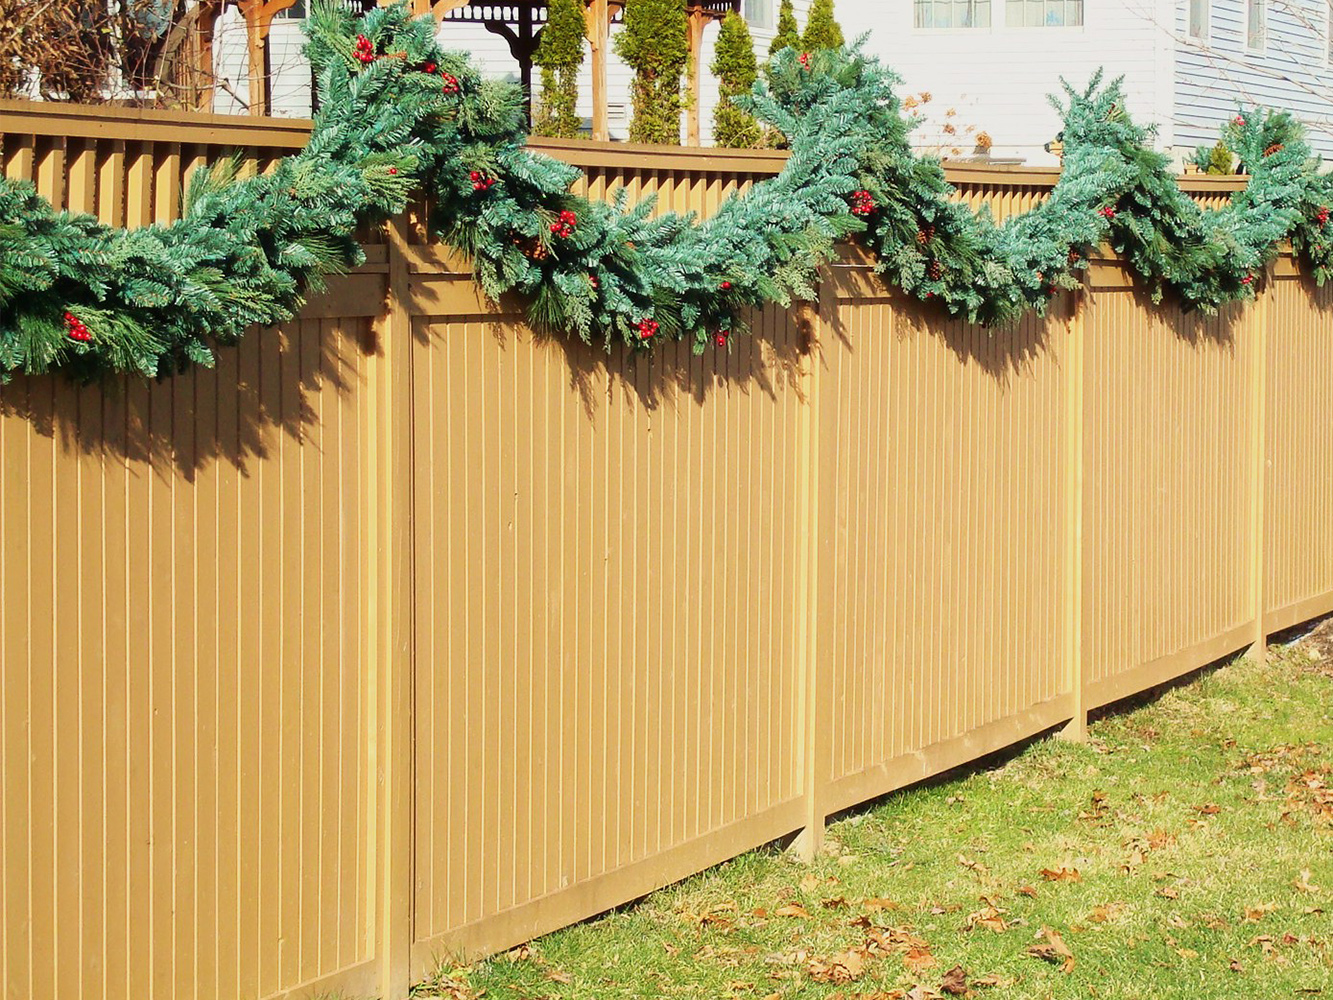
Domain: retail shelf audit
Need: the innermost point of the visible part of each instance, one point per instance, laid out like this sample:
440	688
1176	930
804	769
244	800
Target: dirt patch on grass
1318	646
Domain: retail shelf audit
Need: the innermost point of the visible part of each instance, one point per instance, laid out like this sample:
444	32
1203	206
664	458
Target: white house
988	65
1186	63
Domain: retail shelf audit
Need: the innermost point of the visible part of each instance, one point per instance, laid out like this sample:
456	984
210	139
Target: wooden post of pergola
700	12
597	16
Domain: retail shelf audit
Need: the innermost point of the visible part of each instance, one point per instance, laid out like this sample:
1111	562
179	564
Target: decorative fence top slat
140	160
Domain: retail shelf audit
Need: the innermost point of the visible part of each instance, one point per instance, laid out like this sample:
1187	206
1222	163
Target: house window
295	12
1044	13
1256	24
759	13
1199	18
952	13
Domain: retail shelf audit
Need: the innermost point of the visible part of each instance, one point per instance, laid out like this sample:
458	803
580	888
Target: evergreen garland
822	31
655	43
398	116
736	70
560	54
789	33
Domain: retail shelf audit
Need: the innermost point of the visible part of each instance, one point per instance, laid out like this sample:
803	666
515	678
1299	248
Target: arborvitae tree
789	33
822	30
1219	159
560	54
736	70
655	44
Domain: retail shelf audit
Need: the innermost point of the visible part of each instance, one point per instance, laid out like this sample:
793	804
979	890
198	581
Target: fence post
1259	462
1077	727
811	324
391	720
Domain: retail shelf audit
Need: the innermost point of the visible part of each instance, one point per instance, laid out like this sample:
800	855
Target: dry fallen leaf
954	982
1061	874
792	910
879	903
918	960
1027	890
993	980
1053	949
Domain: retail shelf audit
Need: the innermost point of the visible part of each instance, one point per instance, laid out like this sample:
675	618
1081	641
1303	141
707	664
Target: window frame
1023	5
917	6
1205	20
1262	7
769	21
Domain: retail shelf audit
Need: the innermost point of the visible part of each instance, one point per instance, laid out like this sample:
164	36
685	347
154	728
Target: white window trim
1207	27
1004	10
970	30
1328	32
1263	42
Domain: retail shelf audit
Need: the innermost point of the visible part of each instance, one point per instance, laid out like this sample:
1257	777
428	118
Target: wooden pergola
519	22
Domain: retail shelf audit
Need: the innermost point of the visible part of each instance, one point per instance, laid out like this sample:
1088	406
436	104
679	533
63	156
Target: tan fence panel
183	677
1167	489
942	526
605	618
1298	540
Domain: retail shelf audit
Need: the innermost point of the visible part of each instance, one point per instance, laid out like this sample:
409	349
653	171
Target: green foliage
79	295
822	31
789	33
1220	160
736	69
655	44
560	54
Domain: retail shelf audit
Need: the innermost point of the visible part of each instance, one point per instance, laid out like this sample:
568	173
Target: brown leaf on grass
990	918
1061	874
1302	884
556	976
971	865
1103	914
1169	892
954	982
836	903
1027	890
796	910
879	903
992	981
1235	966
1208	809
918	960
1253	914
1159	839
1053	949
845	967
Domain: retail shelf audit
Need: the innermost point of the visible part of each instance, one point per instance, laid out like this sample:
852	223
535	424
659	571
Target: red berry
726	286
393	170
430	67
475	175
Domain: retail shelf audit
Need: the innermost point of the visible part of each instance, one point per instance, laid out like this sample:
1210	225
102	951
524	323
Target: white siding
1215	75
998	78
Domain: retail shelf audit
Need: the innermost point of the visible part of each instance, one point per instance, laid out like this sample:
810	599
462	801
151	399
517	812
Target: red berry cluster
592	280
451	84
1239	120
1248	279
647	328
805	59
565	227
720	337
427	67
1322	216
77	331
364	52
1106	212
862	203
480	181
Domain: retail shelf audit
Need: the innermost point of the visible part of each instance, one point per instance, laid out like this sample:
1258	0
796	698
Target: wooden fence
405	633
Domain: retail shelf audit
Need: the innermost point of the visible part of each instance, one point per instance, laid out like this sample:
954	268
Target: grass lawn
1185	851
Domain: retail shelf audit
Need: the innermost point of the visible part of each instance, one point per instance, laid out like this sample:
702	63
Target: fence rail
407	633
